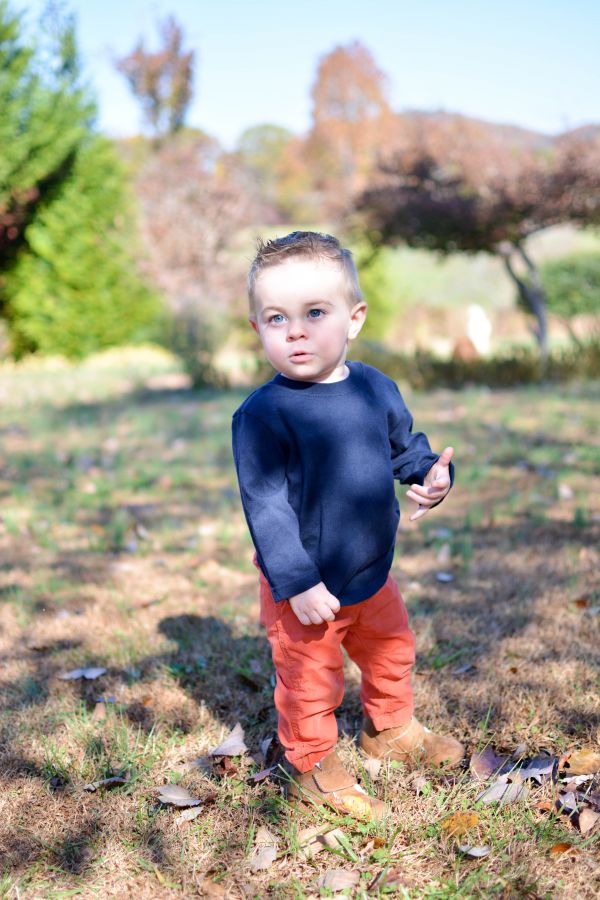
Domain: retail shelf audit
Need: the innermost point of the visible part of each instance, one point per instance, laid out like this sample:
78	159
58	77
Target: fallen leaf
90	674
392	879
566	802
419	783
557	849
503	792
581	602
588	819
265	849
263	774
372	767
338	880
443	554
313	840
459	823
444	577
233	745
113	781
477	852
99	713
582	762
358	806
487	763
175	795
462	670
540	768
188	815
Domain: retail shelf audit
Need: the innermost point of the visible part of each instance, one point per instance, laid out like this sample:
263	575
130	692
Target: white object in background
479	328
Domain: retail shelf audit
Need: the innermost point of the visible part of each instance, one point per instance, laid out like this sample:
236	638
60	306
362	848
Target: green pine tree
68	280
74	289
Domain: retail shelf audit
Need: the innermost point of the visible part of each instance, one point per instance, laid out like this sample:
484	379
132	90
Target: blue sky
533	63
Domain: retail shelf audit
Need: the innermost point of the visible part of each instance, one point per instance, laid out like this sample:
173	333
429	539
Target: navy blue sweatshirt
316	465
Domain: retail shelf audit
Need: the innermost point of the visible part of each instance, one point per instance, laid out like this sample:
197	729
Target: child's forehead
299	273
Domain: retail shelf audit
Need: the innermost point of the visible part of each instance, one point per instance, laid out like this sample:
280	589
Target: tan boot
412	744
331	784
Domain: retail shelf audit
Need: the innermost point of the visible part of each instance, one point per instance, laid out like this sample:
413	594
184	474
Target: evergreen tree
67	271
45	116
74	289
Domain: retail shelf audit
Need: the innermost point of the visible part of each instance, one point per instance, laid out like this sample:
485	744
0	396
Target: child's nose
296	329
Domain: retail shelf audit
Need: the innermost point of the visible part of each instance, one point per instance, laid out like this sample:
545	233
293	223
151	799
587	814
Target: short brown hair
307	245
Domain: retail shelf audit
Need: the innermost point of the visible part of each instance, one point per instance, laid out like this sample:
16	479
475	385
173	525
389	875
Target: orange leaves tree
161	81
483	194
351	120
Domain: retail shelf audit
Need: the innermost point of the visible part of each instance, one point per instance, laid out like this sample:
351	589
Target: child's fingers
420	512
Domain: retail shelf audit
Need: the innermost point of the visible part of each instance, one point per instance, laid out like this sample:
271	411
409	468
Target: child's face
304	320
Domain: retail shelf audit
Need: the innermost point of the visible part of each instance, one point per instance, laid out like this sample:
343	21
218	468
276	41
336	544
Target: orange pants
309	664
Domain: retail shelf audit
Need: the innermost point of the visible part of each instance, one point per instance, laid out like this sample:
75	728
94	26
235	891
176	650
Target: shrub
73	287
523	366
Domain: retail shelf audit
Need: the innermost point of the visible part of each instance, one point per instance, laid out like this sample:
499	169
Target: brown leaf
459	823
582	602
581	762
113	781
265	849
338	879
175	795
588	819
563	847
99	713
483	765
233	745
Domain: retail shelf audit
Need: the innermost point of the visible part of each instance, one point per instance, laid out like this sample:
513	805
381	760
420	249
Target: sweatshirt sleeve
260	461
412	456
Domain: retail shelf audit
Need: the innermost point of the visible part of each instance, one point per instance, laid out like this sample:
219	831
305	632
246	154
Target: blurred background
455	149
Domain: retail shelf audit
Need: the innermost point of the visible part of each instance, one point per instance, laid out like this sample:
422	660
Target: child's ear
358	314
252	321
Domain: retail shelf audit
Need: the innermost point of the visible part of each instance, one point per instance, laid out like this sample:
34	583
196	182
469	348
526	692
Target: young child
317	450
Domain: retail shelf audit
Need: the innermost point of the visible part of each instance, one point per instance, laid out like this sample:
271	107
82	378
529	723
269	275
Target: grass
122	544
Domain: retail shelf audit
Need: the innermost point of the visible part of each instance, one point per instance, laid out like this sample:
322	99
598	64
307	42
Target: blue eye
315	313
277	319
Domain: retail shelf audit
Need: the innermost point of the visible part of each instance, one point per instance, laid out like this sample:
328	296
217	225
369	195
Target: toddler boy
317	450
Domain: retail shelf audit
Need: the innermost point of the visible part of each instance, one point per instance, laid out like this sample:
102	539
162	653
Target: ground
123	545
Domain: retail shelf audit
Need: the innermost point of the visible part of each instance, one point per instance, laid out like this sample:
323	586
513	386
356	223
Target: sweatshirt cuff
286	589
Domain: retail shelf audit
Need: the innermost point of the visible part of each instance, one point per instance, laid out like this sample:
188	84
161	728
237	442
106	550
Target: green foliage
73	288
375	281
45	115
424	370
572	285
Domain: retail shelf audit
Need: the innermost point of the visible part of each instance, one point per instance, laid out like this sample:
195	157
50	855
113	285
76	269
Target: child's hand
436	485
315	605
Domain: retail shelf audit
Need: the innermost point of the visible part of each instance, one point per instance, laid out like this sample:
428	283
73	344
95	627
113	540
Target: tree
351	121
492	199
45	116
261	150
161	81
572	286
74	288
68	281
191	211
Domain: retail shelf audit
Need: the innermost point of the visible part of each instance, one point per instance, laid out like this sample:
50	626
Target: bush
572	285
424	370
73	288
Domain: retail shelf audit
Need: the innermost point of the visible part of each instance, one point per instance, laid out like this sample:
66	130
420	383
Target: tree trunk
532	294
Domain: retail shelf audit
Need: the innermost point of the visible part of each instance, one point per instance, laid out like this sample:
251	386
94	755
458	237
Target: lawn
123	546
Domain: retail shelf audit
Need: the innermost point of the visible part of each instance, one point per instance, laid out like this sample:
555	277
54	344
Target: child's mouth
300	356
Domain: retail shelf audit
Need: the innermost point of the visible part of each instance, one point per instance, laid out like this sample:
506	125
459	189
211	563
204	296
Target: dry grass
122	544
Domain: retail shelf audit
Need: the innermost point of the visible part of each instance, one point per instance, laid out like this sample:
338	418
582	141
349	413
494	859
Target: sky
534	63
